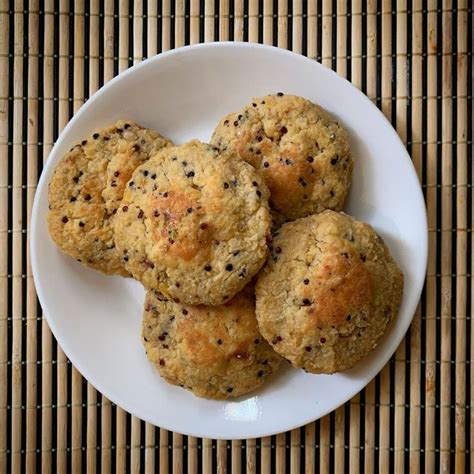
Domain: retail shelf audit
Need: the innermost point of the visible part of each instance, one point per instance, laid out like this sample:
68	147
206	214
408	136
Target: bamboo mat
413	58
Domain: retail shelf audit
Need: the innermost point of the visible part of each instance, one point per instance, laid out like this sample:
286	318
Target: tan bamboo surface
413	59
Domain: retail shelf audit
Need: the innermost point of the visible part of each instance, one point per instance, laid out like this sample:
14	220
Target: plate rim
111	394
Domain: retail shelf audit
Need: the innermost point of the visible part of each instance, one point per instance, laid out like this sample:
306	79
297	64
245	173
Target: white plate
183	93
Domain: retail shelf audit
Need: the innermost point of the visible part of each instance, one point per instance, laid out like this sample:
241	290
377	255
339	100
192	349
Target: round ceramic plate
183	93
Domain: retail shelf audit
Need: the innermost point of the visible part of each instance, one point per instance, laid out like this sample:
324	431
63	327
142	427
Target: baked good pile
241	244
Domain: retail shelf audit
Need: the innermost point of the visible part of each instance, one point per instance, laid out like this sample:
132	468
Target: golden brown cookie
328	292
193	224
300	151
216	352
87	187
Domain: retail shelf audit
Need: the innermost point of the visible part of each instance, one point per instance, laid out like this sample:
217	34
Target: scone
216	352
301	152
194	224
86	189
328	292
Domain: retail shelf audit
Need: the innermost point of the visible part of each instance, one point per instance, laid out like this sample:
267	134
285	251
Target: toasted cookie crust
86	189
194	224
216	352
328	292
300	151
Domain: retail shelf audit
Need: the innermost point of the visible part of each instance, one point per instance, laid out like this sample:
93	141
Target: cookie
87	187
328	292
216	352
193	224
300	151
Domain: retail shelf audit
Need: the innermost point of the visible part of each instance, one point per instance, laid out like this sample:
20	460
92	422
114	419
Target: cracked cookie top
300	151
216	352
328	292
87	187
194	223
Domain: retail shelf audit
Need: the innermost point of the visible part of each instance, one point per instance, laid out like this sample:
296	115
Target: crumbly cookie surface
328	292
216	352
86	189
194	224
300	151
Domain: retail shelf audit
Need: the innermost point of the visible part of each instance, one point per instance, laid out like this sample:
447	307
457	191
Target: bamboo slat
46	336
414	61
432	284
4	257
461	75
401	126
446	239
32	178
417	154
17	223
